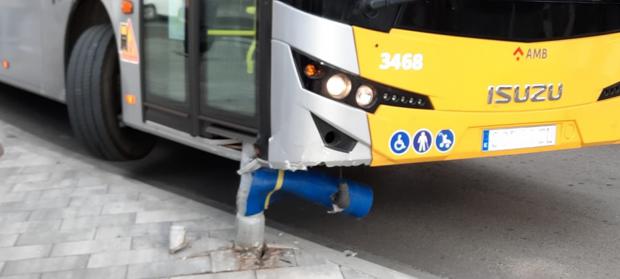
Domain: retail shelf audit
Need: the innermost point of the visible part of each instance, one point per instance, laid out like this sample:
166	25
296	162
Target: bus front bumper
486	134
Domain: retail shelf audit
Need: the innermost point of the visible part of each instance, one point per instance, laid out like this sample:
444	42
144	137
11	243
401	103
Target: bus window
199	67
228	51
166	51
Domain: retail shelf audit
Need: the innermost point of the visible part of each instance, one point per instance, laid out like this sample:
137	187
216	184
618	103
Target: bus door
200	66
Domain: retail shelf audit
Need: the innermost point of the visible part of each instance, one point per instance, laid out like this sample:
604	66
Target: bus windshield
511	20
515	20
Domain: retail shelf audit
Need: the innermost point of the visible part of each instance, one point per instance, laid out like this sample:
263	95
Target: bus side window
209	13
228	79
165	47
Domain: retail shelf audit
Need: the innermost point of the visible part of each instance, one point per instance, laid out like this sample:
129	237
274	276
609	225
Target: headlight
338	86
351	89
365	96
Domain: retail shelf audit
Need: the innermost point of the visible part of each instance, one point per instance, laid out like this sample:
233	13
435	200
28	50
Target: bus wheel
94	99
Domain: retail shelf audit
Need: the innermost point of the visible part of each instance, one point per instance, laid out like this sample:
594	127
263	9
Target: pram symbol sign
445	140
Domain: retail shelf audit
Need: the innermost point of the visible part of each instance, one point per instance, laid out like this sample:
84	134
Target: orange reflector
311	71
5	64
127	7
130	99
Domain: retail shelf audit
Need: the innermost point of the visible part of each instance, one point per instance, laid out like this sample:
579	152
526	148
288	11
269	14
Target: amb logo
531	54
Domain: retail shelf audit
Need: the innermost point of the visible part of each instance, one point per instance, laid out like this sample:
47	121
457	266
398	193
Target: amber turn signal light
127	7
130	99
312	71
5	64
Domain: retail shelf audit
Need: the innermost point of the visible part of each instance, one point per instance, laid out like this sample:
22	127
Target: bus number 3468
402	61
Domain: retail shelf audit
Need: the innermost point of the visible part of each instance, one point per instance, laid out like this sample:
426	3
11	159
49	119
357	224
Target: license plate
519	138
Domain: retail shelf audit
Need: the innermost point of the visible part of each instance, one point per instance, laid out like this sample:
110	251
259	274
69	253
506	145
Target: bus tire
94	99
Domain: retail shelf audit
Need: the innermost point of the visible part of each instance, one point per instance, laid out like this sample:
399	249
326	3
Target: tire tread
85	94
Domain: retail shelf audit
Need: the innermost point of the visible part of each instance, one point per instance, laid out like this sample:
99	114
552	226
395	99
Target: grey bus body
37	37
24	27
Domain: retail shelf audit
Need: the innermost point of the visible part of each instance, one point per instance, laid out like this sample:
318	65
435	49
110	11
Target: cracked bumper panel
295	141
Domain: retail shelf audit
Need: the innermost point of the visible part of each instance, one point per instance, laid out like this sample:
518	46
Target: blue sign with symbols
422	141
399	143
445	140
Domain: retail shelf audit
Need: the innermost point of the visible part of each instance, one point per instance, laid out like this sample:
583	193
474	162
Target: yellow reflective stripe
279	183
249	58
231	32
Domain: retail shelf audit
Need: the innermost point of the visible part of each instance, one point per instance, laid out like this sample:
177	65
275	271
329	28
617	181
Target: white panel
519	138
295	142
325	39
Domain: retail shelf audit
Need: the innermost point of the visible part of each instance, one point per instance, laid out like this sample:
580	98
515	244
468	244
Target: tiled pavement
62	217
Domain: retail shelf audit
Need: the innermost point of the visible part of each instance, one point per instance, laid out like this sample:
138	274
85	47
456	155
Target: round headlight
365	96
338	86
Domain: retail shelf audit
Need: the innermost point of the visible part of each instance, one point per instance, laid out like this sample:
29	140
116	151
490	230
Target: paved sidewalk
62	217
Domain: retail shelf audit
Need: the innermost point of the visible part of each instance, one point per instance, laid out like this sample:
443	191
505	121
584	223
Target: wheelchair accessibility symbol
422	141
445	140
399	143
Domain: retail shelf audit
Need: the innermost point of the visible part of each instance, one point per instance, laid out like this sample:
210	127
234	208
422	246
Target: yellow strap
279	183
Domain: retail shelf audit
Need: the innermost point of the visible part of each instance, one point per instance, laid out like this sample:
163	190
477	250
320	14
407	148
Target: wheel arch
84	14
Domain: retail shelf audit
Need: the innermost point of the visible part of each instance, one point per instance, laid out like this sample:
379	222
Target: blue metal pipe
343	195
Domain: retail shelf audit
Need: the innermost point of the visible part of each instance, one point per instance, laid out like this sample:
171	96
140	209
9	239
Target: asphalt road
552	215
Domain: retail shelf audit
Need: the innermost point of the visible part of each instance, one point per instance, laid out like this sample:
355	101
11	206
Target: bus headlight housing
331	82
338	86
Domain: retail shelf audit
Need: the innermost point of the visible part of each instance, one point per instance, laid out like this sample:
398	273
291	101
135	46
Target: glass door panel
199	65
228	47
165	51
